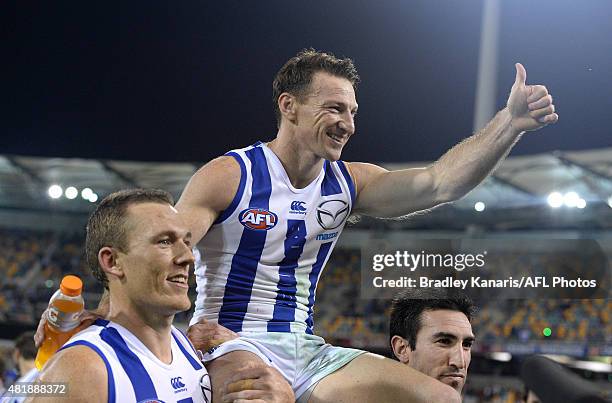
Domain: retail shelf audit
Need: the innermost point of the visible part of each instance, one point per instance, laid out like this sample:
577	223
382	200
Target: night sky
189	80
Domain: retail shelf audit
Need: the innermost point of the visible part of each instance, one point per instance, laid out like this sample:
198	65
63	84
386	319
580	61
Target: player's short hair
407	307
25	344
107	224
296	75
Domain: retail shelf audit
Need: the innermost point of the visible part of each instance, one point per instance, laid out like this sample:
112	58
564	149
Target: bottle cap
71	285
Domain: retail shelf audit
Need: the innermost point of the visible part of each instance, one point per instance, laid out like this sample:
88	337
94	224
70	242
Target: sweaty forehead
447	321
151	208
152	217
326	86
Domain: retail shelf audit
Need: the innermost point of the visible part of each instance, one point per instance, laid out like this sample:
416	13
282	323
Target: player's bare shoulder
213	185
83	372
363	174
209	191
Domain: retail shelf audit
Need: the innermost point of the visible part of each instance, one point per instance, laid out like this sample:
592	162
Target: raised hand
531	106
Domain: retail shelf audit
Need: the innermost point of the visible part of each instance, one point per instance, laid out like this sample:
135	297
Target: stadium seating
32	264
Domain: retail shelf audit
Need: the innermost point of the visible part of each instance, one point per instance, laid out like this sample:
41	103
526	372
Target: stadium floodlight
570	199
86	193
555	199
592	366
93	198
500	356
610	201
479	206
581	203
71	192
55	191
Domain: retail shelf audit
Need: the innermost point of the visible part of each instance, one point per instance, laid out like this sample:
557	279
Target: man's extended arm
385	193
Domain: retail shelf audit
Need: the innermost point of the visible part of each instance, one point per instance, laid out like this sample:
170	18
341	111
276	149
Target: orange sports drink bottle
62	318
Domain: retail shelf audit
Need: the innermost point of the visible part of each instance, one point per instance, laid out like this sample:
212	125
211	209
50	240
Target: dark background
189	80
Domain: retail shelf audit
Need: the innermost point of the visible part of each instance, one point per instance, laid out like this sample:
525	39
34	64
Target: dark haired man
140	249
272	213
431	332
24	355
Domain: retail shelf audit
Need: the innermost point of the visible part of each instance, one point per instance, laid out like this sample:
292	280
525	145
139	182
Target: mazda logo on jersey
258	219
332	213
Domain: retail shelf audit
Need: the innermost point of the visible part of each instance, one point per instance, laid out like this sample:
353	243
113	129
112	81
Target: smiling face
325	116
158	258
443	347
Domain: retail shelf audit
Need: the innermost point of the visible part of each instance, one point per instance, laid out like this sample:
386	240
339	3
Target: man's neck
302	166
152	329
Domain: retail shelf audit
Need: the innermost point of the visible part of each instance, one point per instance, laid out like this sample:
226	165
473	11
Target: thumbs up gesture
531	106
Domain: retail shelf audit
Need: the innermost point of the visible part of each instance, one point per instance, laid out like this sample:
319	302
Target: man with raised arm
271	213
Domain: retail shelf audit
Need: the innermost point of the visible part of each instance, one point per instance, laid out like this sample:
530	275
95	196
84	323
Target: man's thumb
521	74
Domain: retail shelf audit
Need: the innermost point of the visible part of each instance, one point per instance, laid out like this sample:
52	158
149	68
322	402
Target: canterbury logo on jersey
177	384
332	213
258	219
298	206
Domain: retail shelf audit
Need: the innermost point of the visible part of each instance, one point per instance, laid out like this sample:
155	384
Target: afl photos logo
332	213
258	219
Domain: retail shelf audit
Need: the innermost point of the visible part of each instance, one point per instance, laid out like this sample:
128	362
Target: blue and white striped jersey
262	258
135	374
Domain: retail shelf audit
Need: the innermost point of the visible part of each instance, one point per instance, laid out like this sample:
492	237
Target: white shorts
303	359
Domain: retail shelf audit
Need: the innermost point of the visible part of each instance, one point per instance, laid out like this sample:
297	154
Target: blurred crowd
344	317
33	263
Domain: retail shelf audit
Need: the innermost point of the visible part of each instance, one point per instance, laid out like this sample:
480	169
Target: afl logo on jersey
332	213
258	219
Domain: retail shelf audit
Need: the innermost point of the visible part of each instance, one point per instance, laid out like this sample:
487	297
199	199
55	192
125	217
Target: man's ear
108	261
401	349
287	104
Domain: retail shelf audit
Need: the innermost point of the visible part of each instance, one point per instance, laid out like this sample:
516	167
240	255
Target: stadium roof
519	187
24	181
